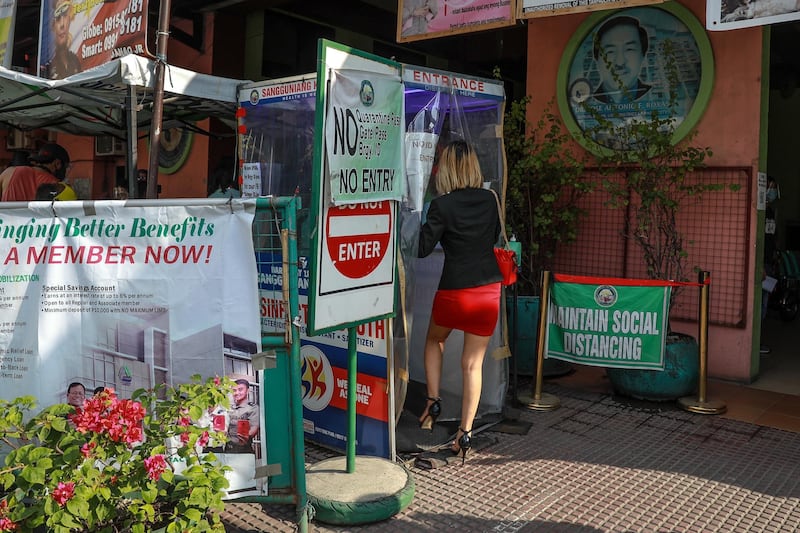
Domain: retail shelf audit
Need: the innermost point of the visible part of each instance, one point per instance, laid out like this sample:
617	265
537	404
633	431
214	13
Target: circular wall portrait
176	144
624	65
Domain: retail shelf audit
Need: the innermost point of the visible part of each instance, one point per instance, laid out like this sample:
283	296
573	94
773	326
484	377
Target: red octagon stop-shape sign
358	237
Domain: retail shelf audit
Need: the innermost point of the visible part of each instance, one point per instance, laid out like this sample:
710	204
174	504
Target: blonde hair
458	168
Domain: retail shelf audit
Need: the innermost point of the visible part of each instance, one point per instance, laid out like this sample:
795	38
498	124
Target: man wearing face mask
770	225
48	166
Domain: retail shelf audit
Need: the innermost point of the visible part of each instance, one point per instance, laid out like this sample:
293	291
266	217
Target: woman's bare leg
434	348
472	377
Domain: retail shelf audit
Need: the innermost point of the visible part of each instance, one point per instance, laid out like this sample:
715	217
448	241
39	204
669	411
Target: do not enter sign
358	237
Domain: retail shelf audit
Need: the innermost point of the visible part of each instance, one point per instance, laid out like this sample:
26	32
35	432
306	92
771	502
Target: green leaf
149	495
193	515
33	475
78	507
60	424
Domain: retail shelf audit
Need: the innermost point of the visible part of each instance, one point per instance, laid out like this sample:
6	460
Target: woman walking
465	220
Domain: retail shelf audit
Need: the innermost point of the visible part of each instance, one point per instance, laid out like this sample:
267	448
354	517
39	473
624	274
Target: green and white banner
620	326
364	137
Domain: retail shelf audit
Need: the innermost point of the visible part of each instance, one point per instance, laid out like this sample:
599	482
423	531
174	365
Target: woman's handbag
506	258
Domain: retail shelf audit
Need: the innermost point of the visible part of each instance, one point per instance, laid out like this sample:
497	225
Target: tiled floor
602	464
744	403
598	464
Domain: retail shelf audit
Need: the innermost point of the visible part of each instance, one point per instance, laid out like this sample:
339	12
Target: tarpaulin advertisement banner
549	8
7	16
607	324
364	137
426	19
730	15
324	369
132	297
76	35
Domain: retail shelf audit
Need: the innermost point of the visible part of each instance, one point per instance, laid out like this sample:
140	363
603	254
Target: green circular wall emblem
616	68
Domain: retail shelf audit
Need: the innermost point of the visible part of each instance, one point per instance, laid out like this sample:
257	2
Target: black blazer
466	222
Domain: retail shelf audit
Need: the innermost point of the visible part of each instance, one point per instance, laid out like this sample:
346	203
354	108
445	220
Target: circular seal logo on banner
367	93
605	295
316	378
254	97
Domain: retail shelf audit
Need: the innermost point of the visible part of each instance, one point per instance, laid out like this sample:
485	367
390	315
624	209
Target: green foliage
106	482
545	181
647	175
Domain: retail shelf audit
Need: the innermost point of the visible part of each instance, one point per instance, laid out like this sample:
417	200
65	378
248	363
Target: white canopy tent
95	102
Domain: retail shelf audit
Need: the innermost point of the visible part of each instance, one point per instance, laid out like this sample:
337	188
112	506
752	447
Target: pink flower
184	438
86	449
64	492
203	440
155	466
7	525
184	421
121	420
217	381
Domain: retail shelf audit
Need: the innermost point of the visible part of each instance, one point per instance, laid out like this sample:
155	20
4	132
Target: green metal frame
276	224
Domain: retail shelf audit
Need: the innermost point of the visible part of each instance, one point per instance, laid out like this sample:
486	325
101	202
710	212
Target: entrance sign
76	36
354	260
608	325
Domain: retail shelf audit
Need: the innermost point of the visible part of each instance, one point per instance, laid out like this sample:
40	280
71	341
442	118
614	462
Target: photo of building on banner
76	36
426	19
733	14
619	326
130	298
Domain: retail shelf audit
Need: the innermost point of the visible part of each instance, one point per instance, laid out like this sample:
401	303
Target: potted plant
545	180
648	176
108	468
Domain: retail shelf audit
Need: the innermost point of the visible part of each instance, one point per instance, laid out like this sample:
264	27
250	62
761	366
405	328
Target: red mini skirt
473	310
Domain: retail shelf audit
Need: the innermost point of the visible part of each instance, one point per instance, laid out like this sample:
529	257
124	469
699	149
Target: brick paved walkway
597	464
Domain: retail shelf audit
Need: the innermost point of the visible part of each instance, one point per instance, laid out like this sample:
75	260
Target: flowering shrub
106	467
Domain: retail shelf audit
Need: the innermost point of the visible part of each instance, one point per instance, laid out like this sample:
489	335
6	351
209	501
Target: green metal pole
294	372
352	367
290	206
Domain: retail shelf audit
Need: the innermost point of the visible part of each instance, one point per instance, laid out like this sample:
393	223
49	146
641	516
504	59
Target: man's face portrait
620	56
240	393
61	20
75	395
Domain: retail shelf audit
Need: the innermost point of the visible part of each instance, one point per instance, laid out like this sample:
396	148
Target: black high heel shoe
464	443
434	410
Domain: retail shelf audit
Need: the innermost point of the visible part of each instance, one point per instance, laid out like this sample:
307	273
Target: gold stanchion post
701	404
541	401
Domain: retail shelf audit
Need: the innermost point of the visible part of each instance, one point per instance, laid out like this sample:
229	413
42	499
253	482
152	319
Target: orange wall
730	126
190	180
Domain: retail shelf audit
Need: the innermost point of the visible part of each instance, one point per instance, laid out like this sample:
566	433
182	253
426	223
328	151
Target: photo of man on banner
63	62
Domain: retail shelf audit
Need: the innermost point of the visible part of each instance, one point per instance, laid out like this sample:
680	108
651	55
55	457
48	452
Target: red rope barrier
593	280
